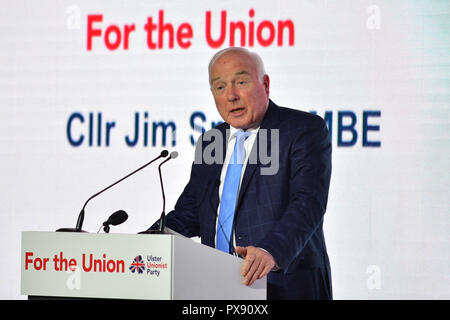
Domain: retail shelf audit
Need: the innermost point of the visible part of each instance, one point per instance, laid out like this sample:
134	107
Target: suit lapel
216	170
249	171
251	167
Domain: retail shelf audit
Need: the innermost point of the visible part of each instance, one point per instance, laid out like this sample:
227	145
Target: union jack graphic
137	264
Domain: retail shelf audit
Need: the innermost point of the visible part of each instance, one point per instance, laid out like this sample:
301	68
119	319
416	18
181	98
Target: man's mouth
236	110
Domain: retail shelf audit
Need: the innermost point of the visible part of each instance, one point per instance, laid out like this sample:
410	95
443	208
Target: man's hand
257	263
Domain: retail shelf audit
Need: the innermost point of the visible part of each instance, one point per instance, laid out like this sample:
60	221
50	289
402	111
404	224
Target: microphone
115	219
79	224
162	219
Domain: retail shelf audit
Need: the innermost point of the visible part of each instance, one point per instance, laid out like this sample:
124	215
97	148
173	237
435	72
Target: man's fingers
254	273
257	264
248	263
241	251
265	271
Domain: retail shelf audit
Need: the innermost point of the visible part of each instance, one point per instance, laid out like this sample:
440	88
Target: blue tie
230	193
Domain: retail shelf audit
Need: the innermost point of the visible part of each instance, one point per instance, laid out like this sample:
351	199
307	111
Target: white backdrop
378	71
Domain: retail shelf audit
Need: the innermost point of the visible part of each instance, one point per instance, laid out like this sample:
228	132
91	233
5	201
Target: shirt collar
233	131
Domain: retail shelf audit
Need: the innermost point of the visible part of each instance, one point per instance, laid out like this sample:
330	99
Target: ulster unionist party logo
153	265
137	265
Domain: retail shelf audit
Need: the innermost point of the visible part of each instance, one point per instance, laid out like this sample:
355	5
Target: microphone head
173	154
164	153
117	218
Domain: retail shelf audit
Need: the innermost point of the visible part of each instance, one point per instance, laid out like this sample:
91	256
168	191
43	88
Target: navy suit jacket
281	213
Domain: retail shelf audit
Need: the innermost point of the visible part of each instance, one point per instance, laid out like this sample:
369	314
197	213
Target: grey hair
254	56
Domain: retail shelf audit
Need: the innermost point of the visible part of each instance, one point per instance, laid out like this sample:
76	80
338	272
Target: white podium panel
129	266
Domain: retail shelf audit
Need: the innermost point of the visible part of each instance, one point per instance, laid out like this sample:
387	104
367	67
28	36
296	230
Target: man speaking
268	212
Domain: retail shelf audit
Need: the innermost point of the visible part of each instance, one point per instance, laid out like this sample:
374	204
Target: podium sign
129	266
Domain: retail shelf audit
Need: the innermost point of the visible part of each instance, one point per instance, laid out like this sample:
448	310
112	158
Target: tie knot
241	135
238	155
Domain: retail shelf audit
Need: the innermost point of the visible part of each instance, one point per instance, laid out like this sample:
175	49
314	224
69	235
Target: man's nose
232	94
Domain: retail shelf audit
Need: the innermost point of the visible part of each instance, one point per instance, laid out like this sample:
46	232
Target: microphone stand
80	219
162	218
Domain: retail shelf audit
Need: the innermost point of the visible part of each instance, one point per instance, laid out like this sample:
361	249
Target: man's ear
266	83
